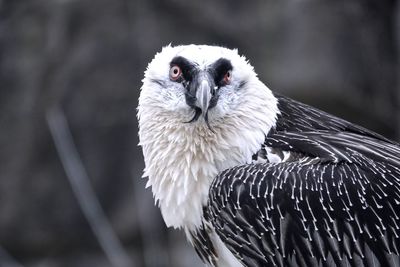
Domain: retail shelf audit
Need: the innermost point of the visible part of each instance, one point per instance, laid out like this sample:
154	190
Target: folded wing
337	204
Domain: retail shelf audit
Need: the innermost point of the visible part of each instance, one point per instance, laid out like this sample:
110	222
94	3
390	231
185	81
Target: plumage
258	179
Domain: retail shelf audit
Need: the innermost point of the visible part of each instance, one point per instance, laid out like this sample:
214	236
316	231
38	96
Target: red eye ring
227	77
175	72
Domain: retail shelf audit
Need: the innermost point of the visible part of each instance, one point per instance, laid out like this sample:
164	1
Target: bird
255	178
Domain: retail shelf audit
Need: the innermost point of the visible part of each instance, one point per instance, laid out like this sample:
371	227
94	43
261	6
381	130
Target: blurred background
71	192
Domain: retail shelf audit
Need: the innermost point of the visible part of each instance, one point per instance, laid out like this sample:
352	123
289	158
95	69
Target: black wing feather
352	224
299	117
337	203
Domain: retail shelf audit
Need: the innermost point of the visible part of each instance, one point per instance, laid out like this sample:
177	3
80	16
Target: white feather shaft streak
80	184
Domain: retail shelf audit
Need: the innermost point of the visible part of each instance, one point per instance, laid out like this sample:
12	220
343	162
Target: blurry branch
7	260
83	190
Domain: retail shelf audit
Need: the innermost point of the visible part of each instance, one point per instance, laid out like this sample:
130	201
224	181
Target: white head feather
182	158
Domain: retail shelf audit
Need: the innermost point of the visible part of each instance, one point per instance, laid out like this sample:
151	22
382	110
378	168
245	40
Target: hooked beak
203	96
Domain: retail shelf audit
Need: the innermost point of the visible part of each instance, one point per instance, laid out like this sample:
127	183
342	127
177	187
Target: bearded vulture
257	179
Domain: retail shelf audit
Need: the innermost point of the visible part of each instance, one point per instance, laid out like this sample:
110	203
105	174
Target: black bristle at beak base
196	115
208	123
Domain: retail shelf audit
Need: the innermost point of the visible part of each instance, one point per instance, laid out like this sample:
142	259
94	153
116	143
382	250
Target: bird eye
227	77
175	72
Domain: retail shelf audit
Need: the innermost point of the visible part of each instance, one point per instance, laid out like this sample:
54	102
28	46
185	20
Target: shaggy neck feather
182	158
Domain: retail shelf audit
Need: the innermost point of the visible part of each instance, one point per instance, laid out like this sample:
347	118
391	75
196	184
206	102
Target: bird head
198	83
201	110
